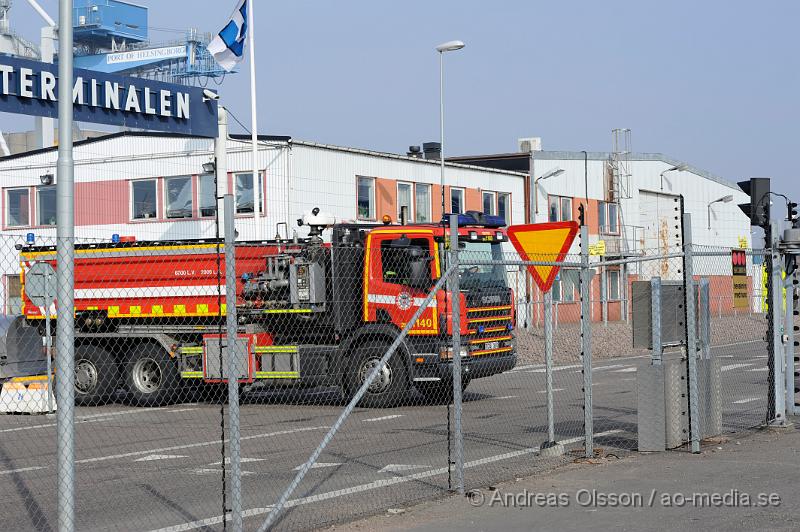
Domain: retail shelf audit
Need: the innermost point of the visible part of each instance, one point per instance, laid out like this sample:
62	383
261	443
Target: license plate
492	345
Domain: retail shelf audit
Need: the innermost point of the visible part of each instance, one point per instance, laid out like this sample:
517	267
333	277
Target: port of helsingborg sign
31	88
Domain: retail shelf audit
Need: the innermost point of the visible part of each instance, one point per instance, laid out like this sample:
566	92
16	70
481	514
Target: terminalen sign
31	88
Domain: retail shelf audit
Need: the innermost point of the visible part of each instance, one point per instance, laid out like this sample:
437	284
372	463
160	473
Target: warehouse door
660	214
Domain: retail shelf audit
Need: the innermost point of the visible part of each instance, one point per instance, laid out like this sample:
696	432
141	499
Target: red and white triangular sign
545	242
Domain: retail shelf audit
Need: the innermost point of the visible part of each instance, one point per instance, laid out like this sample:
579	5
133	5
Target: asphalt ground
160	468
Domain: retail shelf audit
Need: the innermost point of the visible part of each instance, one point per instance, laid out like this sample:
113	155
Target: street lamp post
723	199
678	168
547	175
450	46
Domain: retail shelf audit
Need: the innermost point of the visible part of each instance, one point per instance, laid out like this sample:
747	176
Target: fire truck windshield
474	275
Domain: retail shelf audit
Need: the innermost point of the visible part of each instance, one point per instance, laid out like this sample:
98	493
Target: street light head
450	46
209	167
727	199
551	173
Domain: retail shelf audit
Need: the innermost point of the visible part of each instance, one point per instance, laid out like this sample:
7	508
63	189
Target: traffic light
758	208
793	218
581	215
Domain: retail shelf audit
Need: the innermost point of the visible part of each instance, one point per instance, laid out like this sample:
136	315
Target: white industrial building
152	186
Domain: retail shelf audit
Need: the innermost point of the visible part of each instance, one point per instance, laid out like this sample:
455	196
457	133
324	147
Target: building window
404	200
569	285
504	206
422	202
207	195
608	217
179	197
366	198
46	205
18	210
13	295
613	284
244	194
560	209
144	199
489	203
612	218
456	200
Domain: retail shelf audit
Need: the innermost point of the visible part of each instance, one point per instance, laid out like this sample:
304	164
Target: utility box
673	314
215	367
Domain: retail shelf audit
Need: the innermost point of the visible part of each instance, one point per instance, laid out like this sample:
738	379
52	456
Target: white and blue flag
228	46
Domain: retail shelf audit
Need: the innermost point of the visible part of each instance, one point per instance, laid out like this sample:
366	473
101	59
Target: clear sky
714	83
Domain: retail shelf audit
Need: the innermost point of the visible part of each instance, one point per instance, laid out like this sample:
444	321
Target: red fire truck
149	316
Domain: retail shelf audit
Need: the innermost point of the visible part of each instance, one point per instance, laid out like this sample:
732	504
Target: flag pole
257	189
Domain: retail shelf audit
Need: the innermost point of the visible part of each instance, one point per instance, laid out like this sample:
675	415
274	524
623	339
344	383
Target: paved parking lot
160	468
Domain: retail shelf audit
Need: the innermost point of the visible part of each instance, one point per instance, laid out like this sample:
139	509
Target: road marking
193	445
743	401
21	470
397	468
382	418
555	368
174	410
90	418
159	457
612	366
254	512
554	389
626	370
504	397
758	369
242	460
734	366
319	465
205	470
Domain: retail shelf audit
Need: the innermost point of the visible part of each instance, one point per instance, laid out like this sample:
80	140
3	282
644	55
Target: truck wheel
390	385
151	376
96	375
440	392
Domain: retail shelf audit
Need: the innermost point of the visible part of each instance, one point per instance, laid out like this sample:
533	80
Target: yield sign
547	242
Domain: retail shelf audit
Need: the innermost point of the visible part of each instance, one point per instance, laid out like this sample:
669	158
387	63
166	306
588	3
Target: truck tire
151	376
96	375
440	392
390	386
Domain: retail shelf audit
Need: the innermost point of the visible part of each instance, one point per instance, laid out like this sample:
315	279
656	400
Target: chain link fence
345	403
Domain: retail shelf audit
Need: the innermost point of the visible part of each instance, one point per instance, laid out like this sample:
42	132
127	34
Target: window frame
8	206
39	190
427	205
7	281
372	214
463	199
191	198
609	295
200	199
605	207
493	195
257	185
560	201
507	216
132	202
411	193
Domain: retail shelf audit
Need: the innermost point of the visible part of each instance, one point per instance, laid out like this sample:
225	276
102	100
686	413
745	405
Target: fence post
65	255
791	408
623	287
548	361
778	407
690	301
586	343
232	364
455	306
657	355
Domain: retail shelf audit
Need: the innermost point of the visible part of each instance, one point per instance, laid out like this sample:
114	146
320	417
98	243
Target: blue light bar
476	218
30	239
115	238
